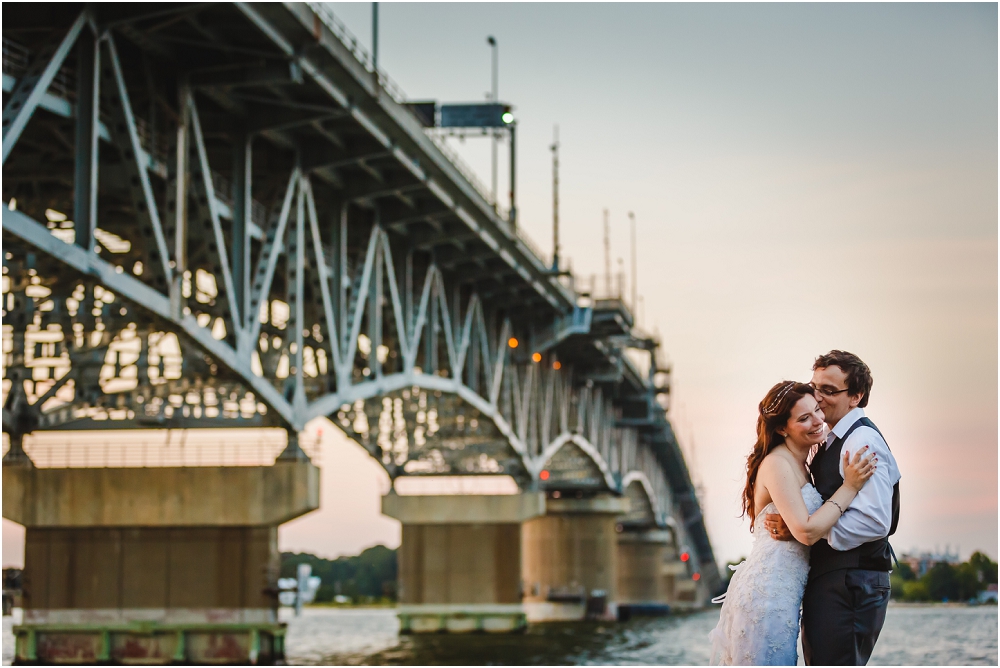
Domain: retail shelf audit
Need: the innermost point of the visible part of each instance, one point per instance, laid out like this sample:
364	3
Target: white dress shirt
869	516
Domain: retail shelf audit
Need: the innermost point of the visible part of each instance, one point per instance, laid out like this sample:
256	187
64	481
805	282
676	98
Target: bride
759	622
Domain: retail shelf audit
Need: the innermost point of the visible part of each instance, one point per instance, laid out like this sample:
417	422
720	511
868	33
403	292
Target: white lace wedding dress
759	622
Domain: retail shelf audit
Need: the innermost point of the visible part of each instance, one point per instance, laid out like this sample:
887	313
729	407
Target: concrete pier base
156	565
641	589
685	592
570	560
460	561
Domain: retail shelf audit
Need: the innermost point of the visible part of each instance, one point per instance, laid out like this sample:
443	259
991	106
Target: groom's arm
870	514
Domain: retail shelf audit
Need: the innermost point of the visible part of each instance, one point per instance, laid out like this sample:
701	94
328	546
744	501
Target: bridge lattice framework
220	215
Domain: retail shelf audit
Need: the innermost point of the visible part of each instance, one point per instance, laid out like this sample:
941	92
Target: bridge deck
220	214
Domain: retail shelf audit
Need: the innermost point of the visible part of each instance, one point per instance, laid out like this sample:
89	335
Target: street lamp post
635	279
375	39
555	199
494	97
375	78
513	175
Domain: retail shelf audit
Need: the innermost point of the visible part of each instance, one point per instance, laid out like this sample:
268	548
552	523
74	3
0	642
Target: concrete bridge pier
460	561
642	586
153	565
570	559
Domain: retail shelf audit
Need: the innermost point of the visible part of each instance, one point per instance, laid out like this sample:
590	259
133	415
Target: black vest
825	471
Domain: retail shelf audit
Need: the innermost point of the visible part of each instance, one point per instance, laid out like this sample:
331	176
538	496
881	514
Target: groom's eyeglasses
827	391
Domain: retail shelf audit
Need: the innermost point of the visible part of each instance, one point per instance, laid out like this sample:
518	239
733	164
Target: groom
848	590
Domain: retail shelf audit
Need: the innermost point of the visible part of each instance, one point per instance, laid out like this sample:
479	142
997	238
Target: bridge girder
217	244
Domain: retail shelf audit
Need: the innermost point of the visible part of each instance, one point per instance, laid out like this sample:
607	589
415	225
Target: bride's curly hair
772	414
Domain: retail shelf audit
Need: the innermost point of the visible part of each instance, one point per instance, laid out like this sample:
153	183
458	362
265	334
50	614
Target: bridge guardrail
348	39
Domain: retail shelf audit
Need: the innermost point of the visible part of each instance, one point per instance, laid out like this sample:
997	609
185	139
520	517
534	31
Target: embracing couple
821	526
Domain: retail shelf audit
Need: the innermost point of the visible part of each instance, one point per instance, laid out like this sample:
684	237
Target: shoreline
352	606
892	604
939	604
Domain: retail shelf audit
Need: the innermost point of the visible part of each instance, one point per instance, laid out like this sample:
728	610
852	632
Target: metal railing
48	450
350	42
546	258
604	288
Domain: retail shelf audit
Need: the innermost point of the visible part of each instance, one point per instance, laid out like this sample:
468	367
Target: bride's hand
857	471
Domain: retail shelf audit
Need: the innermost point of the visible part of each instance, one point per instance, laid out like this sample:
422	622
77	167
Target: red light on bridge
556	366
512	342
685	556
544	475
537	357
696	577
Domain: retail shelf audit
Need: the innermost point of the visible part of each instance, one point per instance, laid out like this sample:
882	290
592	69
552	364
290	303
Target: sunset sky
804	177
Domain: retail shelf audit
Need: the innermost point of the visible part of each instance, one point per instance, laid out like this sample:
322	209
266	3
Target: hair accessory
777	399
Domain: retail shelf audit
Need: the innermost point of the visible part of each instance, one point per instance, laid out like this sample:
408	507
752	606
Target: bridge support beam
460	561
153	565
641	584
570	559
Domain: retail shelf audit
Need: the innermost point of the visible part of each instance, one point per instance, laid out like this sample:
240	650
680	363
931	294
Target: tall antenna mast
555	200
607	256
494	98
375	39
635	300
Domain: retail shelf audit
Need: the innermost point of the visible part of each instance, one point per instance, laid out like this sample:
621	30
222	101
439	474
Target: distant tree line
943	581
368	577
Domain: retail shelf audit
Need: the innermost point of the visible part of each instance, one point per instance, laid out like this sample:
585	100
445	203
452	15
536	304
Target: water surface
913	635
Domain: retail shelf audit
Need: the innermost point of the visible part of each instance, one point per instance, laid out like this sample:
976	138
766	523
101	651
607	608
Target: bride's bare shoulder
777	461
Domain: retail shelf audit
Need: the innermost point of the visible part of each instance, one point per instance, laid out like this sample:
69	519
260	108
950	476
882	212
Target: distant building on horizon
922	562
988	594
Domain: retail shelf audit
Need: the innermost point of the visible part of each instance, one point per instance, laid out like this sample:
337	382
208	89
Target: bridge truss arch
223	215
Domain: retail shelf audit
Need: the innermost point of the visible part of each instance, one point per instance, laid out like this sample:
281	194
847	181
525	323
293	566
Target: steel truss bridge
221	215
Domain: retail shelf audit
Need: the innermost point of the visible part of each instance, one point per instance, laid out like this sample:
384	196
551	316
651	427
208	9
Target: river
913	635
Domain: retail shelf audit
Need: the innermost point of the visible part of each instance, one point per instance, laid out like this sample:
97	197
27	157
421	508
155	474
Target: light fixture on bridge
556	365
507	117
512	342
696	577
685	556
544	475
537	357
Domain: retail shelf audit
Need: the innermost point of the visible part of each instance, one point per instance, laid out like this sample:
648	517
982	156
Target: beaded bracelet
838	506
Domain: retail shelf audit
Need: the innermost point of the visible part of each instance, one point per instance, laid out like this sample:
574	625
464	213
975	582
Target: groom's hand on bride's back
776	527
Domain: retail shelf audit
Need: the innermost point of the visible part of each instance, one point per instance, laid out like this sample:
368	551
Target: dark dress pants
842	615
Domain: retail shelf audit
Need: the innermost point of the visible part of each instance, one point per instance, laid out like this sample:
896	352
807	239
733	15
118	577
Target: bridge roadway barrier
460	561
154	565
571	559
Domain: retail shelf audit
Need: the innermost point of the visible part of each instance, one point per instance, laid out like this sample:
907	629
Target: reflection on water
925	635
669	640
913	635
